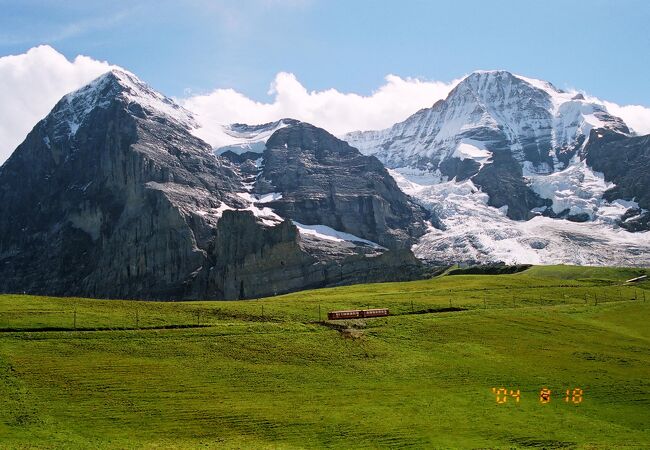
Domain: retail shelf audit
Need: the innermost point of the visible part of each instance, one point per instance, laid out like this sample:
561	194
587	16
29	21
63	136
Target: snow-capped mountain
112	195
139	98
491	112
513	170
503	147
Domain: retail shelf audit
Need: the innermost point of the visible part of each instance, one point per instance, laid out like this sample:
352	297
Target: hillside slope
265	374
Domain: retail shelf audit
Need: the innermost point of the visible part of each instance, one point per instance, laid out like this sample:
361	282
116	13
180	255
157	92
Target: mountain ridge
561	204
112	196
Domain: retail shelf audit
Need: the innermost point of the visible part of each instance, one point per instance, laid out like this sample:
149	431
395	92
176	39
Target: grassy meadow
272	373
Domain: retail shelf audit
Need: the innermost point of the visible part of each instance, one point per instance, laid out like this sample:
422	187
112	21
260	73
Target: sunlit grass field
273	373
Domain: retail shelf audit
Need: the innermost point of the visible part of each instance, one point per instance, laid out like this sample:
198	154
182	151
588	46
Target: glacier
474	232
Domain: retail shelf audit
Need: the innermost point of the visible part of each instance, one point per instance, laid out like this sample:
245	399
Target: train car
357	313
376	312
338	315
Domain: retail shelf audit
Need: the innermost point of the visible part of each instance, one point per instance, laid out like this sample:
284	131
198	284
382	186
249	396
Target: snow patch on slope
215	212
471	149
271	197
330	234
241	138
265	214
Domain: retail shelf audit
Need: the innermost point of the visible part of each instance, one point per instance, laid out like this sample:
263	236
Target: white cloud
335	111
32	83
30	86
636	117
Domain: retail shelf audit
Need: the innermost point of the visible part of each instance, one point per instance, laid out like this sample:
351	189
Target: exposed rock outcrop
625	161
323	180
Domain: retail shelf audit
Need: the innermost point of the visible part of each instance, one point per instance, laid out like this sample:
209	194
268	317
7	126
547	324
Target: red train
357	313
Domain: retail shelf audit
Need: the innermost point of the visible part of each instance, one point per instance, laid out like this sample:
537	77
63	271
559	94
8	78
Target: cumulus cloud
30	86
340	112
335	111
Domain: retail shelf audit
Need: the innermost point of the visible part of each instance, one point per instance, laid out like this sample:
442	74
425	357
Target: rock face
112	196
251	260
624	161
322	180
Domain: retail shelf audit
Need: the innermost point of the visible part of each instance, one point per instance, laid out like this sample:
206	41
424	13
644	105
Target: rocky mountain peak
322	180
494	90
122	87
303	136
485	80
493	126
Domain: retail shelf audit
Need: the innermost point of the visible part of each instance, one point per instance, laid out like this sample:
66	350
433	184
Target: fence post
75	318
137	319
319	316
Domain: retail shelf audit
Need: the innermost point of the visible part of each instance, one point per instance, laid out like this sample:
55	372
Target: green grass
279	379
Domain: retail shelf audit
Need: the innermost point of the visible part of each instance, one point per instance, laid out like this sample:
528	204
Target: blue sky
600	46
